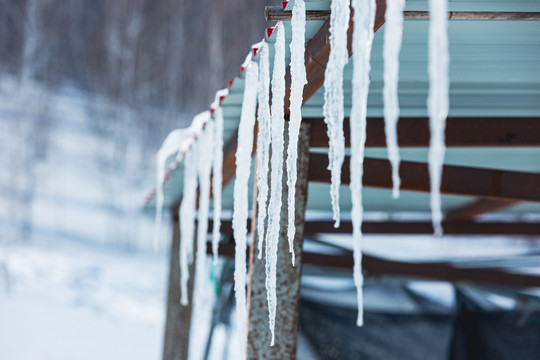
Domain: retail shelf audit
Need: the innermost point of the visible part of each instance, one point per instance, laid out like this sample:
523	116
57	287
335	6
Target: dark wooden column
178	320
288	277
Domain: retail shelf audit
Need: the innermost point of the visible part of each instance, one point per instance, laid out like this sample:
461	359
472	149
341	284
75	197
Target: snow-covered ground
78	278
66	300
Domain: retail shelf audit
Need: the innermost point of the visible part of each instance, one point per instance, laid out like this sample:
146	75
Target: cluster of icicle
271	126
364	15
193	145
200	149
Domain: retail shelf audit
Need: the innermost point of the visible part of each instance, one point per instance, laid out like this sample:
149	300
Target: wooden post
288	277
178	320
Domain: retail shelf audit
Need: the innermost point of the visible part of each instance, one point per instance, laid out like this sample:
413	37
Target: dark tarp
496	335
333	333
472	334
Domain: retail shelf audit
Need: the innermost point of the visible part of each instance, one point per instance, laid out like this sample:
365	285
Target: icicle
170	146
263	143
204	166
333	97
298	80
393	30
276	175
187	220
364	18
437	102
243	170
217	171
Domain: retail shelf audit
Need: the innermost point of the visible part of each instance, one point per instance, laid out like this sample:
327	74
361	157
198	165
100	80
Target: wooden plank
426	227
314	227
479	207
287	277
457	180
276	13
460	132
318	52
178	318
429	271
376	266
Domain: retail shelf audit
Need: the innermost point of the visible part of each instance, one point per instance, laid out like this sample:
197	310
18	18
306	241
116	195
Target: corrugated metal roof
494	71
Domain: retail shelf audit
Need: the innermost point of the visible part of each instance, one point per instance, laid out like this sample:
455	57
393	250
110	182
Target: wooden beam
426	227
314	227
479	207
376	266
457	180
318	52
178	318
460	132
287	277
276	13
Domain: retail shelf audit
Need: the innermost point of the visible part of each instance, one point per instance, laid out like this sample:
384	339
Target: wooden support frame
477	208
178	317
457	180
460	132
375	266
315	227
287	277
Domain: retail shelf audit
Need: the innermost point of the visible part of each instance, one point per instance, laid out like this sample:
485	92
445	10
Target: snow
217	178
298	80
333	97
187	219
169	147
364	17
437	102
243	170
276	175
204	167
69	300
393	33
263	143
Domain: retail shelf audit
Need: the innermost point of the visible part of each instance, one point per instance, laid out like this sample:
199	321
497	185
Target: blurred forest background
89	89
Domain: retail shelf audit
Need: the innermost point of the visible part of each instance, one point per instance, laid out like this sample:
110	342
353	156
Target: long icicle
364	19
187	220
263	143
298	80
204	167
276	175
240	206
333	97
217	176
393	33
437	102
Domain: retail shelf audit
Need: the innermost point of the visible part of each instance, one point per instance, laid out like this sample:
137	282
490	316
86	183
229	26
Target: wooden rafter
457	180
479	207
460	132
314	227
376	266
